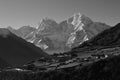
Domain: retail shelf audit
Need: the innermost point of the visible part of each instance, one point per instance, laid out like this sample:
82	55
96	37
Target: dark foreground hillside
17	51
3	64
105	69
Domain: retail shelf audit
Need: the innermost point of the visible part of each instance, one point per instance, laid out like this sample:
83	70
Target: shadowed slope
17	51
3	64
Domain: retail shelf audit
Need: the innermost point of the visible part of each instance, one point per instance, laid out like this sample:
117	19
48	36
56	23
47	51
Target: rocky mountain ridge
55	37
109	38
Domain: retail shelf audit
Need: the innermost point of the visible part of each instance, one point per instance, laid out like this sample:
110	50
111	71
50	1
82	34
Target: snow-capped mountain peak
53	36
77	21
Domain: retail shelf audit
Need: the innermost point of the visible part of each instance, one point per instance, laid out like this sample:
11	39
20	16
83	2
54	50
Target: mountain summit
59	37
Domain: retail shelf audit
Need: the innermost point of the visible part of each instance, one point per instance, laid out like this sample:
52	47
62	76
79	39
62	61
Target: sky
18	13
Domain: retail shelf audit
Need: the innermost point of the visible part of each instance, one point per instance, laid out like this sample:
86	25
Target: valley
75	53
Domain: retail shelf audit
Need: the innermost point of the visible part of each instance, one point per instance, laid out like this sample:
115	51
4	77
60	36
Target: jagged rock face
53	36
